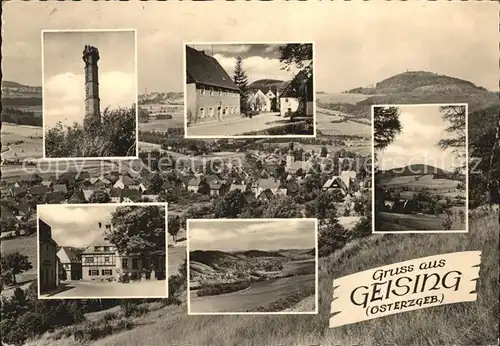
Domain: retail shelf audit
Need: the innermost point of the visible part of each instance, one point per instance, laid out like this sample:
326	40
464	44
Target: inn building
102	261
48	261
211	93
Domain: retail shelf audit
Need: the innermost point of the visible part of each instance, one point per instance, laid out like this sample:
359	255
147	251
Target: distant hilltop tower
92	109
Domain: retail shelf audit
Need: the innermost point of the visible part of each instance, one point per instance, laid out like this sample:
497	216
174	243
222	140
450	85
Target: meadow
471	323
348	127
340	98
26	246
423	182
392	222
31	137
162	125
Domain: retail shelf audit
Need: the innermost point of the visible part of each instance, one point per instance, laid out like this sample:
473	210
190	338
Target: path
88	289
236	127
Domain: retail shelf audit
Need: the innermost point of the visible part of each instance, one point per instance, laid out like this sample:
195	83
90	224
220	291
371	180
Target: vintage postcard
331	171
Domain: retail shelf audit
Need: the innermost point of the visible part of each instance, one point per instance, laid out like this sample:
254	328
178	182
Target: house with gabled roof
48	264
123	182
115	195
335	183
349	179
77	197
17	191
56	197
60	187
299	88
211	93
131	196
71	261
38	190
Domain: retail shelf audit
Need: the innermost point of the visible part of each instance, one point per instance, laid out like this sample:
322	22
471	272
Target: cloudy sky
259	60
64	84
356	43
75	225
422	128
237	235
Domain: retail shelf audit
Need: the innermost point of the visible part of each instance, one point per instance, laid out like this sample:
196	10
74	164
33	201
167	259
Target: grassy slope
463	323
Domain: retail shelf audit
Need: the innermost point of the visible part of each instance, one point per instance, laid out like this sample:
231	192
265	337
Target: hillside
416	169
420	81
265	84
417	87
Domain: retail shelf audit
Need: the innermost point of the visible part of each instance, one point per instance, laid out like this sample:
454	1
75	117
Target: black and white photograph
89	94
420	154
250	266
249	90
102	251
365	53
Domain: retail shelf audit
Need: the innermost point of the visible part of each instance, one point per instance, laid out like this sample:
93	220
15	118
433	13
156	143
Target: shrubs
114	136
93	330
217	289
297	128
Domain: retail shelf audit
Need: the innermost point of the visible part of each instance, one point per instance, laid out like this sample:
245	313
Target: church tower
92	107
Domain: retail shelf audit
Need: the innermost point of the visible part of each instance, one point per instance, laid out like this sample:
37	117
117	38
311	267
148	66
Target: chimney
99	224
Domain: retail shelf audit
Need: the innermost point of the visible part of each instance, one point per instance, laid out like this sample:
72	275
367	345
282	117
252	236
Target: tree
241	80
12	264
99	196
324	152
174	226
36	179
8	224
386	126
138	229
283	207
456	118
331	237
231	205
295	54
156	183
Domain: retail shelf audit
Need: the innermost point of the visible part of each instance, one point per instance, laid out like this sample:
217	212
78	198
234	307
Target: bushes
93	330
114	136
298	128
217	289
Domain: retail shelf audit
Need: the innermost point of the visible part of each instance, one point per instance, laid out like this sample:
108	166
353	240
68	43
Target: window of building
93	272
106	259
135	263
212	92
106	248
211	111
97	248
107	272
125	263
202	112
202	90
89	259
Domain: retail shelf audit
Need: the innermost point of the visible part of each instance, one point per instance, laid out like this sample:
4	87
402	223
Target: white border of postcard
466	168
136	99
316	295
164	204
240	43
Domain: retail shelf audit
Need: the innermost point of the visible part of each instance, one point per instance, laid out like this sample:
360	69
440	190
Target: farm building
335	183
300	89
210	91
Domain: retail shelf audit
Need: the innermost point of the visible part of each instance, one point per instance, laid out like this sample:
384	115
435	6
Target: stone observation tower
92	110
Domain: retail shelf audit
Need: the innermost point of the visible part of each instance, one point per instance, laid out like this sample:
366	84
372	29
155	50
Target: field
30	148
424	181
348	127
393	222
162	125
340	98
472	323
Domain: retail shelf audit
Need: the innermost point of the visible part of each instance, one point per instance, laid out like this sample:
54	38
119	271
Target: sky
75	226
259	61
422	127
64	84
237	235
356	43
